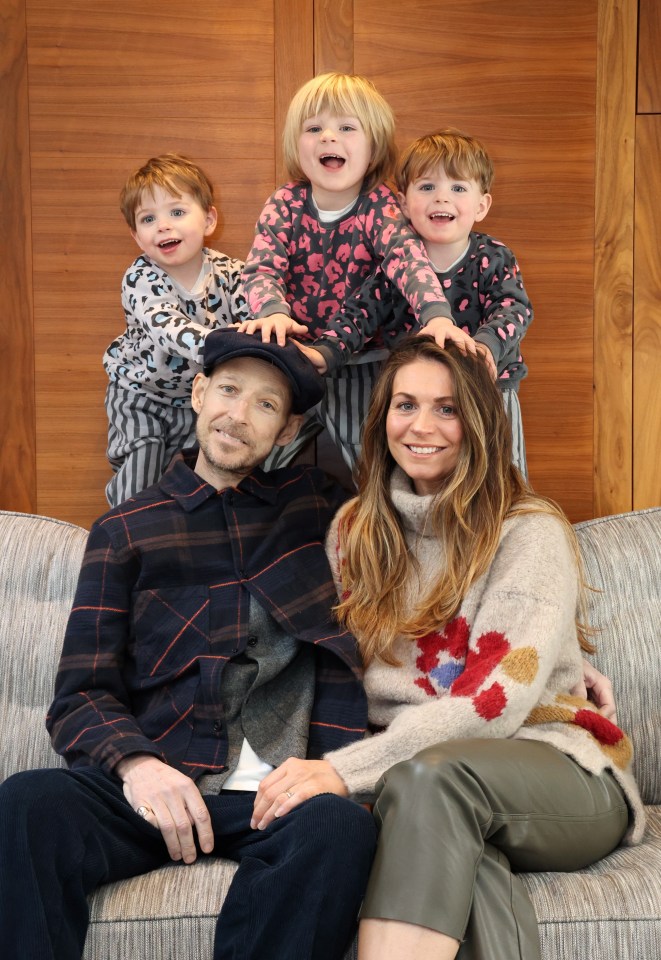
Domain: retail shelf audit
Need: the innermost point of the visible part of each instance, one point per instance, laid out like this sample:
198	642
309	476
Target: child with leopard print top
321	235
443	181
173	295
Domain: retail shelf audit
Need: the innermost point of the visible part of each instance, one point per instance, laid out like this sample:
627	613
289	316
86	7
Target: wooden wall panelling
294	65
110	85
649	61
613	256
647	317
526	85
17	423
333	36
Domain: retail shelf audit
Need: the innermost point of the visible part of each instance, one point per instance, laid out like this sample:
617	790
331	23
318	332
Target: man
201	654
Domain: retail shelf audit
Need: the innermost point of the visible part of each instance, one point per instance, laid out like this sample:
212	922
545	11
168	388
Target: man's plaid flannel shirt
162	604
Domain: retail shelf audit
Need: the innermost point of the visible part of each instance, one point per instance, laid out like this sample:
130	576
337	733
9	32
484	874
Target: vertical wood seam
613	264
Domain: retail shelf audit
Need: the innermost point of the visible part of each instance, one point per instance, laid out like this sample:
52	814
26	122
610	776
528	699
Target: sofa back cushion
40	560
622	557
39	563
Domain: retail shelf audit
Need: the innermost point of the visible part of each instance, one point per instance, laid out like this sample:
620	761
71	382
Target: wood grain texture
526	86
613	256
333	36
647	317
18	484
649	60
294	63
110	85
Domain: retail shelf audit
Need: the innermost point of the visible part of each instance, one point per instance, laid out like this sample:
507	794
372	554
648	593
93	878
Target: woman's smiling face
423	426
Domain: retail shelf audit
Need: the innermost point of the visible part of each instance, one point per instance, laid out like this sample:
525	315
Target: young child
322	234
173	295
444	181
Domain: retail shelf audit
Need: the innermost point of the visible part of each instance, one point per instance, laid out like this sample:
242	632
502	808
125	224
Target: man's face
243	410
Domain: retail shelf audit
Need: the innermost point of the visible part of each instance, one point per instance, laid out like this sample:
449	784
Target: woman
462	588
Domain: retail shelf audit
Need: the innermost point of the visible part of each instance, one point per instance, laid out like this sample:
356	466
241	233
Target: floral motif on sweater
448	666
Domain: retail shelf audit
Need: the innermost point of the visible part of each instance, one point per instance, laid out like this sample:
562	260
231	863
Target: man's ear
200	384
483	207
211	221
290	429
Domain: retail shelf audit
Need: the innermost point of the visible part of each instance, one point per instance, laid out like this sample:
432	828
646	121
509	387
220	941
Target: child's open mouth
331	161
441	216
169	244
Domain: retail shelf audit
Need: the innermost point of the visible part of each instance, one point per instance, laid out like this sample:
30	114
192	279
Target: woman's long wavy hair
467	513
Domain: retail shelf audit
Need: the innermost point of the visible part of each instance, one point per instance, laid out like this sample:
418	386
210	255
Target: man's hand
278	323
598	688
444	331
292	783
173	802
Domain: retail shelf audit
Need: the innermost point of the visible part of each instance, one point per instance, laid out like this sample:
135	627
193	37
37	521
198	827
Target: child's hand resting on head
444	331
279	323
488	359
314	356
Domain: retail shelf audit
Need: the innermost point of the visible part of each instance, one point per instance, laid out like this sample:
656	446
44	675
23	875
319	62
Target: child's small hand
483	349
444	331
314	356
278	323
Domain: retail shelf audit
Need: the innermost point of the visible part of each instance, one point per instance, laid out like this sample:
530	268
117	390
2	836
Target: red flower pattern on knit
601	729
448	666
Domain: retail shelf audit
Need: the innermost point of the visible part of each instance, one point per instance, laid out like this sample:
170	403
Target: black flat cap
226	344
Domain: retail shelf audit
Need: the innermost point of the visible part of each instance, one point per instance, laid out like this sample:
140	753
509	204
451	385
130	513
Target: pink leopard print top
308	269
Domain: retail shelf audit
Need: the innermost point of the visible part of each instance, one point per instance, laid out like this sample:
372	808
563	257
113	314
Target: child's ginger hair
171	172
343	94
462	157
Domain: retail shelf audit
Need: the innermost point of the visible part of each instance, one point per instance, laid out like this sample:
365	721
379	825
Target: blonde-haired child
173	295
321	235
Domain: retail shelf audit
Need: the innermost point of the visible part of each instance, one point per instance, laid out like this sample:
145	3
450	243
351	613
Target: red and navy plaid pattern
163	603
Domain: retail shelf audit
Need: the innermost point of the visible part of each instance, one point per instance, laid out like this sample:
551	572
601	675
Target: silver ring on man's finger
144	812
289	794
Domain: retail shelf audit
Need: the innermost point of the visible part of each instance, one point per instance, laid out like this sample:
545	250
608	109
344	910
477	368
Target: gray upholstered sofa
611	911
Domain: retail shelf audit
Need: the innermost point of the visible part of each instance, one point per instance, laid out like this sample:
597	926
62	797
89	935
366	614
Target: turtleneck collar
413	509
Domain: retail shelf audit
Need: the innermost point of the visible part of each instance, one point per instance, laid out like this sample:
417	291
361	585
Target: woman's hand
292	783
598	688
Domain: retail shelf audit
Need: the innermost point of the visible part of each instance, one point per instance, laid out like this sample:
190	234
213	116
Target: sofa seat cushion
609	910
169	914
153	915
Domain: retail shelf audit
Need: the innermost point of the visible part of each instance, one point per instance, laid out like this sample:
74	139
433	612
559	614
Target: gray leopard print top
486	296
160	351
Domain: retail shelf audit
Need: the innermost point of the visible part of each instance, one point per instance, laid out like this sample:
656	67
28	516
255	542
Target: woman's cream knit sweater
503	667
